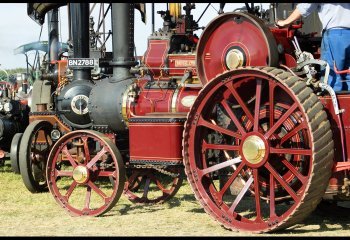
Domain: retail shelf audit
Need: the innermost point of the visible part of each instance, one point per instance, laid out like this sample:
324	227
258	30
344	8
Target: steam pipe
79	13
152	17
69	23
52	19
123	40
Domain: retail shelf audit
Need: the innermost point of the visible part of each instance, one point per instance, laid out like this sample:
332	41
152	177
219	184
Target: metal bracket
316	62
331	92
187	75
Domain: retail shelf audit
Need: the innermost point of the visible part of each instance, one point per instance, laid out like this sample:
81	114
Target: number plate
81	63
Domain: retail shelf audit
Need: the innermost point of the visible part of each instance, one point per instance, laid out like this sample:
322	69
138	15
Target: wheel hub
80	174
234	59
254	149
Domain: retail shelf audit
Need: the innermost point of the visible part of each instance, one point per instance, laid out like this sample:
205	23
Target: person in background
335	46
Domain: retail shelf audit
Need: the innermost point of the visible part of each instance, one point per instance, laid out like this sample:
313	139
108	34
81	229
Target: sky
16	28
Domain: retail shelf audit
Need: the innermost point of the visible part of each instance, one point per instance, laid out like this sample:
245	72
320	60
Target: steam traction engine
257	143
13	119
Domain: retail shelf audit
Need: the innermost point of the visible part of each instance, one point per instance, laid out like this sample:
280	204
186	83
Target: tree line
12	74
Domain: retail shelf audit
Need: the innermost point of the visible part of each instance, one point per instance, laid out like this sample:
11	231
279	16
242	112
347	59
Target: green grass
26	214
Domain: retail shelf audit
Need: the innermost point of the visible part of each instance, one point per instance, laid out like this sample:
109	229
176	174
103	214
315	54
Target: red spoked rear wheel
85	173
267	132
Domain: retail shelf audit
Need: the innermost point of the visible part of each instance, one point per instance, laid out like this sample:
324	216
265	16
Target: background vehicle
13	116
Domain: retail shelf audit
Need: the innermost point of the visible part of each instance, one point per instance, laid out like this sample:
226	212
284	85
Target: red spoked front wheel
85	173
266	131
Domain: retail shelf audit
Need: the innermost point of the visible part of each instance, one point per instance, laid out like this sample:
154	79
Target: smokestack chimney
52	20
79	13
110	113
123	40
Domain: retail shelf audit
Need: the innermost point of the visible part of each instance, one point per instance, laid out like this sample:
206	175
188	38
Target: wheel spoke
97	157
204	123
219	166
206	146
272	86
87	197
281	120
35	138
46	139
230	180
292	132
86	150
282	182
257	105
97	190
296	151
294	171
63	173
48	147
241	194
70	189
160	186
135	179
69	156
146	187
257	195
240	101
233	117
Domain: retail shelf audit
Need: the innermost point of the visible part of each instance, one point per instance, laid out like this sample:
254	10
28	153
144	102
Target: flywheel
273	142
233	40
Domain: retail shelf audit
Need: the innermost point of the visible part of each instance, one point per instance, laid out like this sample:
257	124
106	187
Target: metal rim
33	155
14	152
86	173
150	186
225	31
297	165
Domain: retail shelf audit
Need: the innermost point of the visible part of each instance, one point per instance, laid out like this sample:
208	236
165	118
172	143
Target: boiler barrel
105	103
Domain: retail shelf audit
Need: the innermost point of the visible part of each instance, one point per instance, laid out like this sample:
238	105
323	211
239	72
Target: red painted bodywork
152	137
341	167
156	138
162	65
179	64
155	56
160	100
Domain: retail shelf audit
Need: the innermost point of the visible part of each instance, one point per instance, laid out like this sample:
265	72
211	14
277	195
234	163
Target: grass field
26	214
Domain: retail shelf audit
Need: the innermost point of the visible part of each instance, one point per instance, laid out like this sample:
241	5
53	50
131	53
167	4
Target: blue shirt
332	15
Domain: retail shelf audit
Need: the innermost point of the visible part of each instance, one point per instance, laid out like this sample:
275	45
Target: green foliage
11	73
